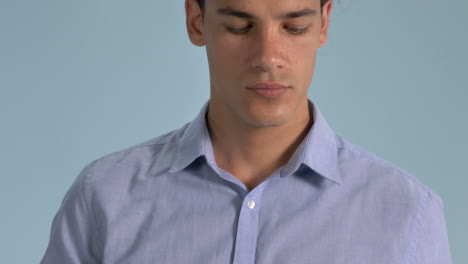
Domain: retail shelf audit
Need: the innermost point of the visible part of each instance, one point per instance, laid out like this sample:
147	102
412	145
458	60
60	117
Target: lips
268	90
268	85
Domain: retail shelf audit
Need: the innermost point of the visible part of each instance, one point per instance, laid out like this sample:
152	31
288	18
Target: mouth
268	90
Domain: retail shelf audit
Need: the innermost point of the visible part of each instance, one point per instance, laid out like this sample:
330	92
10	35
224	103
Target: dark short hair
201	3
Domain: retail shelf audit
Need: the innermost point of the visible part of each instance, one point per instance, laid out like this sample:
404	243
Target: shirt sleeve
73	236
432	244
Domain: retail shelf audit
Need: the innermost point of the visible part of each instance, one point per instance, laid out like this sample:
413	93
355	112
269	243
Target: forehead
262	7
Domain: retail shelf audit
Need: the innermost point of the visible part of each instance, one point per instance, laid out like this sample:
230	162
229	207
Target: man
258	176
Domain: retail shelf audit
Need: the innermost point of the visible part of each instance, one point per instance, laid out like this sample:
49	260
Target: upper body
167	201
258	176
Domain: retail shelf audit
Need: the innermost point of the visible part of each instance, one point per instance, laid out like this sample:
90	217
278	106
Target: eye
238	30
297	30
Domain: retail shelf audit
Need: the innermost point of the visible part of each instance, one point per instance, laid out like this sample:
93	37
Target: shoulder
393	202
370	172
143	151
116	170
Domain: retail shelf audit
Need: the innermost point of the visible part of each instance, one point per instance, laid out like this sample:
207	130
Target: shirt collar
193	142
318	151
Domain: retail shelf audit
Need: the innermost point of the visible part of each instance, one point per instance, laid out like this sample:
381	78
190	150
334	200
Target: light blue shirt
166	201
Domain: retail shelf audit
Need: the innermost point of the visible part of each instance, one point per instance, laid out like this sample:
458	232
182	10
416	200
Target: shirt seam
401	171
126	150
416	230
90	210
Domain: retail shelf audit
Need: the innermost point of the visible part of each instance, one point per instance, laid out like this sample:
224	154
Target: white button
251	204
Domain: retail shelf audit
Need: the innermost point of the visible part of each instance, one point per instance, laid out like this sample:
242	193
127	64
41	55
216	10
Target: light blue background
80	79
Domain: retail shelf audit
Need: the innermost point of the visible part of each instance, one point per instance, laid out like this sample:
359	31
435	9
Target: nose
267	51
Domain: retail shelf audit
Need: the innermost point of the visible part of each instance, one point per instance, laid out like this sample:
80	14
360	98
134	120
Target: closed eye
244	30
237	30
297	30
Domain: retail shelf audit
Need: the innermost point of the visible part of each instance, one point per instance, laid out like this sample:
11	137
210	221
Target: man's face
250	43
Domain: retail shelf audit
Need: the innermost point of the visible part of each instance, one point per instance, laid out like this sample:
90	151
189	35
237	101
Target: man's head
250	42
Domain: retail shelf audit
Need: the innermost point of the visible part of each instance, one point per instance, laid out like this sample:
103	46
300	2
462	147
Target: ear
194	22
326	10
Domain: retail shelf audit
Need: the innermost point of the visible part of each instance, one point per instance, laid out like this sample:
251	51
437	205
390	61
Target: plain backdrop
81	79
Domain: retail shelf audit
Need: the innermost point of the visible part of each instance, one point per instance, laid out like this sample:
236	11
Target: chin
267	121
272	115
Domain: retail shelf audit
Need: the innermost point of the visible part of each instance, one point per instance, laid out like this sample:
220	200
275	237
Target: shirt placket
247	227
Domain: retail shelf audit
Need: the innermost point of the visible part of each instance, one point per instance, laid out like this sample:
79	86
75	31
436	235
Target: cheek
226	67
225	57
303	56
304	64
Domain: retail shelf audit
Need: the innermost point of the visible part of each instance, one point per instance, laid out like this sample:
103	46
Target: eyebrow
295	14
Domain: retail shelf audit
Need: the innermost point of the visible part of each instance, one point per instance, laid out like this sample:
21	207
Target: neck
251	153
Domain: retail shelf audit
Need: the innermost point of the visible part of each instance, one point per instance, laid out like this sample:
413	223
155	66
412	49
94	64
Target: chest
254	229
